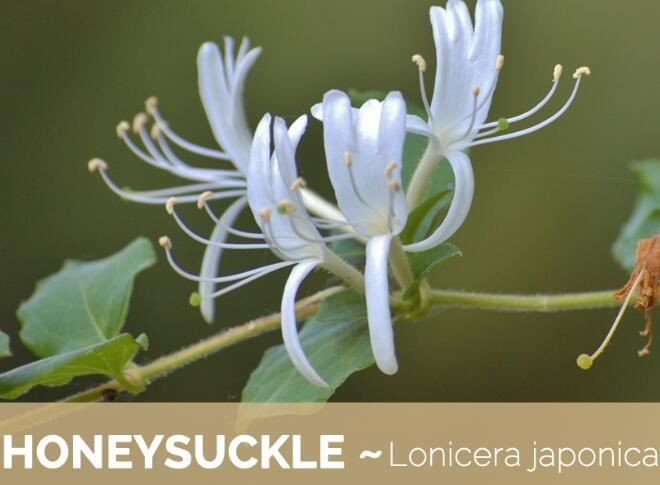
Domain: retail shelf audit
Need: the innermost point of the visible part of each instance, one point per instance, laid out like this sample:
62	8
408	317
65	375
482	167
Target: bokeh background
547	206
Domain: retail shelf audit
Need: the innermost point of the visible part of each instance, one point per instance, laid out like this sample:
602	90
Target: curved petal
212	255
378	307
317	111
297	130
221	82
416	125
460	204
289	327
467	58
259	185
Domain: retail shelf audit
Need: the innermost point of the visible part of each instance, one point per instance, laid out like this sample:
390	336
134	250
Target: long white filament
183	143
536	127
160	197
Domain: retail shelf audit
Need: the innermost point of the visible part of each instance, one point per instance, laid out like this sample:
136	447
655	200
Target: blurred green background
547	206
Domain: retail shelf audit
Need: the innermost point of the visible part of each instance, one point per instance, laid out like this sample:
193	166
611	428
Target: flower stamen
421	67
170	208
167	245
151	105
585	361
579	74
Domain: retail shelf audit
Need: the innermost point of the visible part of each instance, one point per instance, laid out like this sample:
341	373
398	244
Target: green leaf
108	358
336	341
85	303
422	218
5	351
351	250
645	219
422	263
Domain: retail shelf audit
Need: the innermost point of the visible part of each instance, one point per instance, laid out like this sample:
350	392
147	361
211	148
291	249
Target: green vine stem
524	303
141	376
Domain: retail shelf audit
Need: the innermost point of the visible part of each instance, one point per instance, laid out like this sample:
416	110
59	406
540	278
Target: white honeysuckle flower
278	208
469	62
364	150
275	199
221	84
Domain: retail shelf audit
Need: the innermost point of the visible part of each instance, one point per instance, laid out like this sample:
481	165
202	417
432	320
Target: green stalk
141	376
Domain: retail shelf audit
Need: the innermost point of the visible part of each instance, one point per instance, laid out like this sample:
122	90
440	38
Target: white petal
317	111
489	16
338	136
392	129
416	125
259	184
460	204
378	304
212	255
269	182
297	130
289	326
452	92
221	92
286	142
462	16
373	136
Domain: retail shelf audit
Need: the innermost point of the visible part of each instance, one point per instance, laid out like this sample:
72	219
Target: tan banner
382	443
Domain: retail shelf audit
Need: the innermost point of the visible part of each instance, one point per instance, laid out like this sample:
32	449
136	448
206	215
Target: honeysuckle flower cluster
364	154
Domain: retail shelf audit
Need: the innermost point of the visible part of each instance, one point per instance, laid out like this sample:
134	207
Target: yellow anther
420	61
165	242
389	170
122	128
155	131
499	63
559	70
394	185
169	205
203	198
582	71
265	214
140	120
151	104
348	159
299	183
96	164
